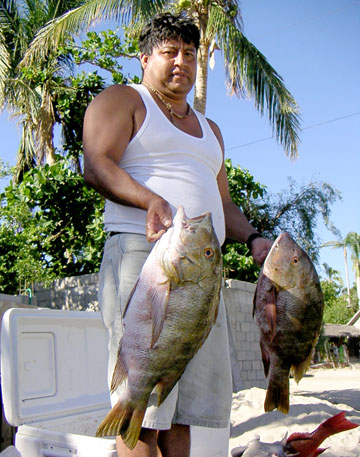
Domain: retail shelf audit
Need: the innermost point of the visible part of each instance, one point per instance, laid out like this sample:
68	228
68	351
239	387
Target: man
147	151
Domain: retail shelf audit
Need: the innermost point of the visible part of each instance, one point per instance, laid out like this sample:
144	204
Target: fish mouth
276	243
198	218
184	221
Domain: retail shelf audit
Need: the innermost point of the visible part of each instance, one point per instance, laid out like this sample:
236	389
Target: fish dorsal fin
284	439
120	371
159	295
238	451
130	297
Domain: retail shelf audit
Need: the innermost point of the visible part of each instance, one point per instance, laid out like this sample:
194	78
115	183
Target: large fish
298	444
168	317
288	305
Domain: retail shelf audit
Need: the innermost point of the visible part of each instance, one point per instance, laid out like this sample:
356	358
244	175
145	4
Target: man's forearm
238	227
115	184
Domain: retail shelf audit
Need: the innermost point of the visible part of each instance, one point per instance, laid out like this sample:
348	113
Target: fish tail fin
123	420
277	395
335	424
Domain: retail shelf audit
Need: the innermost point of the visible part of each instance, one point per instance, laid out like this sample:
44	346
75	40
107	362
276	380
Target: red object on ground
307	444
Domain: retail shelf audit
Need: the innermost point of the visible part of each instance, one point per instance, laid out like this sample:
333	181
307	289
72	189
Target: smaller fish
288	306
256	448
298	444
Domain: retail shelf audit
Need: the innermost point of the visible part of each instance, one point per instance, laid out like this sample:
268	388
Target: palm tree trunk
201	77
200	91
347	275
357	276
45	132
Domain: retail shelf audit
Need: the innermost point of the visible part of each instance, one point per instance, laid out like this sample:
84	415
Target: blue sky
314	46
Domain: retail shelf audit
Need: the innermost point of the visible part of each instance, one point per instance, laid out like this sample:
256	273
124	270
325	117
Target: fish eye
208	252
295	260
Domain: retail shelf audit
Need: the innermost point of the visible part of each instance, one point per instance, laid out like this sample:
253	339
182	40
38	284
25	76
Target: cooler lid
53	364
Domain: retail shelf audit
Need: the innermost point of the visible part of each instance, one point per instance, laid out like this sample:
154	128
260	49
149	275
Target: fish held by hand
288	306
169	315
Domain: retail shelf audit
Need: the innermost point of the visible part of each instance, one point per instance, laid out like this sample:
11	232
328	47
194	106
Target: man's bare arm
110	122
237	226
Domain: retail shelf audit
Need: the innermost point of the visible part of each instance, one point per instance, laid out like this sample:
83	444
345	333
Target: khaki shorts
203	394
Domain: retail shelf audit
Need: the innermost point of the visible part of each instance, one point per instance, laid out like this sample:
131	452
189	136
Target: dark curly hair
165	26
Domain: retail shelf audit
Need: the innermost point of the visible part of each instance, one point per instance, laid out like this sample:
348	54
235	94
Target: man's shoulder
217	132
120	90
116	96
215	128
213	124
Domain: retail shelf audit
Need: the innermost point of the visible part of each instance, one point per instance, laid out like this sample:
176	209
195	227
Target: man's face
171	66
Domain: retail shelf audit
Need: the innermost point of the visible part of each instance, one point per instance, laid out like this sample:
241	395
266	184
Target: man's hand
260	248
158	219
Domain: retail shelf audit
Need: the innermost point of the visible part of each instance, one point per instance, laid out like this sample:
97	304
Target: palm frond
249	73
72	22
21	98
12	25
24	103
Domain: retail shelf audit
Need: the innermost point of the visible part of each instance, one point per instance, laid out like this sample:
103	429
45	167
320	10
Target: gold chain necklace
167	104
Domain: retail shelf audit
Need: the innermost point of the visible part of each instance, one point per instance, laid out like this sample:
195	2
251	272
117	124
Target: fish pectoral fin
159	296
295	321
120	371
265	357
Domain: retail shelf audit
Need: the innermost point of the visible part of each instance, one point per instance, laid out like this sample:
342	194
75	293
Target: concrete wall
80	293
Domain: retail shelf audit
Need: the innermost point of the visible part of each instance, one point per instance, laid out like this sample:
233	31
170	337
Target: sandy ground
321	394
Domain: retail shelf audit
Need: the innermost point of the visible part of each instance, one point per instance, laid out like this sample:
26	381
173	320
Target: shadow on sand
299	414
350	397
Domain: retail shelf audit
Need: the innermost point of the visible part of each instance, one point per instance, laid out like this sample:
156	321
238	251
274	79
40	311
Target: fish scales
288	306
168	317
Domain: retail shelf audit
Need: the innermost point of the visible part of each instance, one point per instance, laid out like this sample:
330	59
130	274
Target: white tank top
177	166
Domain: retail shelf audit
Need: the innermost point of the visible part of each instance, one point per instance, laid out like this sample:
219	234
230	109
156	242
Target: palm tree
220	26
352	240
341	243
28	92
332	274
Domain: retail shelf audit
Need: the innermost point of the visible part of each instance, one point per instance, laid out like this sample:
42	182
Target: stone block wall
75	293
238	296
80	293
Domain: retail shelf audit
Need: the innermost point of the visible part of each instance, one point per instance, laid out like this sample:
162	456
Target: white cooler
54	386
